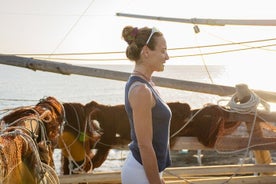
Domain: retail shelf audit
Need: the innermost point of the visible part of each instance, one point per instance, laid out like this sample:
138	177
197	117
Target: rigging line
224	44
83	59
75	53
12	99
122	52
175	56
221	52
54	14
203	60
242	43
73	26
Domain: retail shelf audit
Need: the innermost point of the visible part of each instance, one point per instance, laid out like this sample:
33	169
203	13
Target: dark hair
136	40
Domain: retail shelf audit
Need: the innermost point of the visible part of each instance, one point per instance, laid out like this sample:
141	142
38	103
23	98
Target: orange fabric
72	143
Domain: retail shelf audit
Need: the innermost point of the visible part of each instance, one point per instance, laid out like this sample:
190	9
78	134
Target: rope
42	167
249	107
78	168
230	43
16	99
70	157
244	108
202	58
186	124
29	136
50	176
73	26
39	169
177	176
37	119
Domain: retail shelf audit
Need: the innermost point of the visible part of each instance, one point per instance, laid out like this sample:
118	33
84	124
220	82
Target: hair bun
129	34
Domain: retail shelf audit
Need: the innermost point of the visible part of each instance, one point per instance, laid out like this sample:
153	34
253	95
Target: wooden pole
67	69
213	174
212	22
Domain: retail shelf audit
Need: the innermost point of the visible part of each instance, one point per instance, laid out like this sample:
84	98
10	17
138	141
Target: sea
24	87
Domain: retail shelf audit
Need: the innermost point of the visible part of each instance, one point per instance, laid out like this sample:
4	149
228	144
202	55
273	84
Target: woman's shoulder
140	92
139	89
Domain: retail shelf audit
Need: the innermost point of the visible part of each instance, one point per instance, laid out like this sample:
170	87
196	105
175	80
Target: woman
149	115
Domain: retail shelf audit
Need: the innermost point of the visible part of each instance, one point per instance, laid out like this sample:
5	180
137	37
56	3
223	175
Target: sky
86	26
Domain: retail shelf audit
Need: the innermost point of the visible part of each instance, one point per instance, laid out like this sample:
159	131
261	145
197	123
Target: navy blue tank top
161	118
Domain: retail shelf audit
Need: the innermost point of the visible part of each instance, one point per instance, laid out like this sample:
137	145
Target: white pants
133	172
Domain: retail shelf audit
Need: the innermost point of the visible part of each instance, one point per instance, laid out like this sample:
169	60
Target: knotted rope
245	101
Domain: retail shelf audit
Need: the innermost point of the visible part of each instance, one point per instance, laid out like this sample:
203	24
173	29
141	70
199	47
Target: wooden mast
211	22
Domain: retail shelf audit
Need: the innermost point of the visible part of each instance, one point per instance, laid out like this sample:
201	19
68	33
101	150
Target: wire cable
170	49
73	26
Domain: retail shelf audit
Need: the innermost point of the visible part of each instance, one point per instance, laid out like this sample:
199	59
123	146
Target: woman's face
158	56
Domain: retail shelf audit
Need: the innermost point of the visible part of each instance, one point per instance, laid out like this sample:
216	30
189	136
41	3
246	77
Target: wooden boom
67	69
